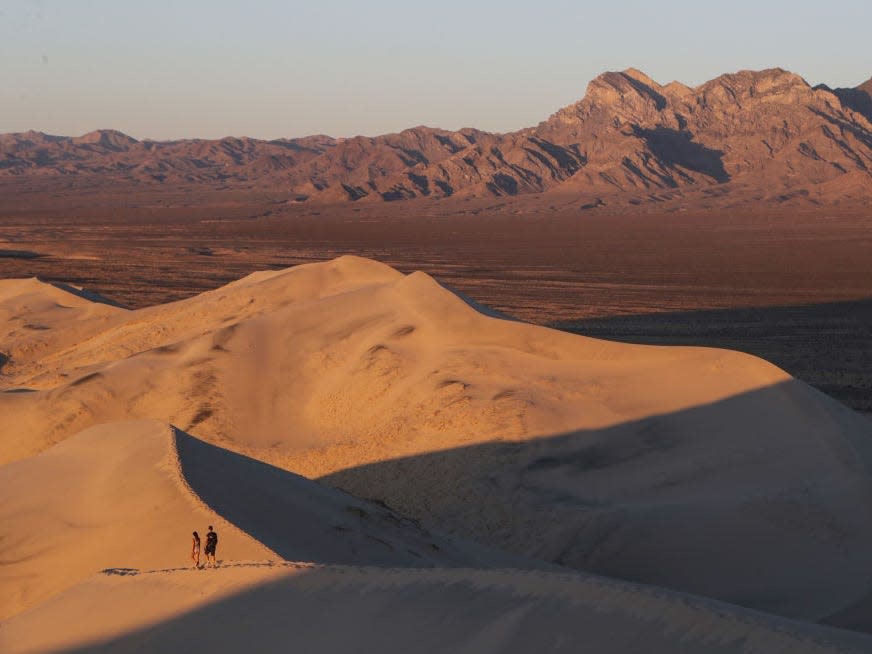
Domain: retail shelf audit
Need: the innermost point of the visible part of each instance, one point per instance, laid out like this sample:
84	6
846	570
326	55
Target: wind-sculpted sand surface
128	495
495	443
274	607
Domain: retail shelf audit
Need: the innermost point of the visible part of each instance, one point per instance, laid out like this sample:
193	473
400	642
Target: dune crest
663	465
111	496
349	345
127	495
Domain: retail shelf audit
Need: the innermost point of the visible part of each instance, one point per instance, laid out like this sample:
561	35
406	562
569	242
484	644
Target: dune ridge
210	352
676	467
111	496
128	495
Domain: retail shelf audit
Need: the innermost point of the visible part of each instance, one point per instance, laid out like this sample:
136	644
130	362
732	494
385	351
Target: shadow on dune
827	345
480	308
732	500
763	499
359	610
86	294
299	519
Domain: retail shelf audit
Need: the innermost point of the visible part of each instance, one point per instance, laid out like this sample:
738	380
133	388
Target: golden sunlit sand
478	442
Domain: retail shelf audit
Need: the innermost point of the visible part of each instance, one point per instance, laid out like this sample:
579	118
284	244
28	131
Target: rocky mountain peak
107	138
639	76
676	88
748	84
765	136
626	87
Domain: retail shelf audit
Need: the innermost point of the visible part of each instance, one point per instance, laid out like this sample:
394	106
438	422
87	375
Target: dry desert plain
393	467
793	286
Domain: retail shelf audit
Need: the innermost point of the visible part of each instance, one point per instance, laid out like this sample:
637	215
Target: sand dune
111	496
38	318
51	332
316	360
718	500
298	607
703	470
129	494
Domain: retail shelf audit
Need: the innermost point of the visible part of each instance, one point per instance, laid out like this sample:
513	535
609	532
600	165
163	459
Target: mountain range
752	136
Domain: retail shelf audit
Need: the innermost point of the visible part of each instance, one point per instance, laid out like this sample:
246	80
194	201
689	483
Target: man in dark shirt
211	544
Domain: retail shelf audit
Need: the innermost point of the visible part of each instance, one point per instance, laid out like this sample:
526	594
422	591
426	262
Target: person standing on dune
195	550
211	544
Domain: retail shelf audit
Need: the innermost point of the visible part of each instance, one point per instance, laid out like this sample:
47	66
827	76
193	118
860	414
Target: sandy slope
729	500
294	607
37	318
312	364
699	469
129	495
111	496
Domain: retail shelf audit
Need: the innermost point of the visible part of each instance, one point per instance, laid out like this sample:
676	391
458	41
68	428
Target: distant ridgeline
746	137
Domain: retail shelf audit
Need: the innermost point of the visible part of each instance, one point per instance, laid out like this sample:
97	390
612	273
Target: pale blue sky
265	68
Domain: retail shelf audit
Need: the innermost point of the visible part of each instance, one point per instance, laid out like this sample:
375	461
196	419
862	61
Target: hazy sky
266	68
